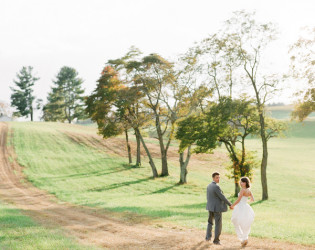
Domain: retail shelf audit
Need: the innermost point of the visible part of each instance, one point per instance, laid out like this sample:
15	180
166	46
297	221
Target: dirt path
95	227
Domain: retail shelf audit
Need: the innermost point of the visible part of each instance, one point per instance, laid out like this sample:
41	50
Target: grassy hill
75	171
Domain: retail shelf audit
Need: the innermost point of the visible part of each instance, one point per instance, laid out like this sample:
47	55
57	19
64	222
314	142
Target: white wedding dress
242	218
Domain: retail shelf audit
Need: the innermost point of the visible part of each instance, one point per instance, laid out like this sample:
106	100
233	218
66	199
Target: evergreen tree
22	97
65	101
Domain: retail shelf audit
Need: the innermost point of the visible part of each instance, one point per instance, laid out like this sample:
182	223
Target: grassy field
79	174
21	232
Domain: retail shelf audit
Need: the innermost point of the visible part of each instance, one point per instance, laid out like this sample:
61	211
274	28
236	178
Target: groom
216	204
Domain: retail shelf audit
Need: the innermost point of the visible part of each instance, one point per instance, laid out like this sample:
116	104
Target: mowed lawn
21	232
82	175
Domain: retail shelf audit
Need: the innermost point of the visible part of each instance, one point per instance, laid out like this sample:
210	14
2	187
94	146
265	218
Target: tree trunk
31	108
237	188
162	148
128	146
260	106
69	118
183	166
264	160
138	162
154	171
183	170
164	163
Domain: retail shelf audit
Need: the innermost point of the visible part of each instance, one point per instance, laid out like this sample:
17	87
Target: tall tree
129	78
303	69
133	110
65	101
100	107
185	95
229	122
239	119
233	57
250	40
219	62
154	74
111	106
22	97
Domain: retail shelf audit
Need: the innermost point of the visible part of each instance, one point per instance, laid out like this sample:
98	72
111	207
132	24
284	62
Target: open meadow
77	166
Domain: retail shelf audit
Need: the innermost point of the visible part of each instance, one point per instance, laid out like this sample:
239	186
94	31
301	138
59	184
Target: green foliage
238	169
275	128
65	101
22	97
199	130
105	105
229	121
223	122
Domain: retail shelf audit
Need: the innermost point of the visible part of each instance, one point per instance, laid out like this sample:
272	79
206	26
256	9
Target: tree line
65	101
214	94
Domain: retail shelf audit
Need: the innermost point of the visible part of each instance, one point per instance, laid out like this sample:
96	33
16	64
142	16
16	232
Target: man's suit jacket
216	201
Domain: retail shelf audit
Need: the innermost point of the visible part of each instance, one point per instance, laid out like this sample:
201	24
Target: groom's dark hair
214	174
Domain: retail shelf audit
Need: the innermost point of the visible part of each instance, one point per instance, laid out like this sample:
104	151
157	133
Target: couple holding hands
242	215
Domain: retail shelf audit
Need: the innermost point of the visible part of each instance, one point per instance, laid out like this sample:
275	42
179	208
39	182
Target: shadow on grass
118	185
163	190
125	165
121	168
257	202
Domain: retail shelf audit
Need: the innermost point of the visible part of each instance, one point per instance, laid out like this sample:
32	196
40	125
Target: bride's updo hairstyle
246	180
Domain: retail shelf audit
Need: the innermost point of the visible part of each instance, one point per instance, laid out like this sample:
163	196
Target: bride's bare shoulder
247	192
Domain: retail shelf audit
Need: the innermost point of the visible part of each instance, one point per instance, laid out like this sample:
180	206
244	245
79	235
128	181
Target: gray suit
216	204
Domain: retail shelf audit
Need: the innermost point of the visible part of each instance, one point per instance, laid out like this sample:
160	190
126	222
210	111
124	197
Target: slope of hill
63	160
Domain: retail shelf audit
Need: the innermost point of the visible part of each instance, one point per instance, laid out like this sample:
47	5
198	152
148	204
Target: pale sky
49	34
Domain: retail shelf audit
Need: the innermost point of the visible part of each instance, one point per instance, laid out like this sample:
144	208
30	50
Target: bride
243	215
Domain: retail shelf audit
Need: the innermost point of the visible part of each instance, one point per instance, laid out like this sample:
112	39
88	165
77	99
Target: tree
219	62
134	112
185	96
111	106
22	97
240	119
302	69
228	122
129	78
154	74
100	107
251	38
190	131
65	101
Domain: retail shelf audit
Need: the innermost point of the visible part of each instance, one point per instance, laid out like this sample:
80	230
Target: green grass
78	174
21	232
